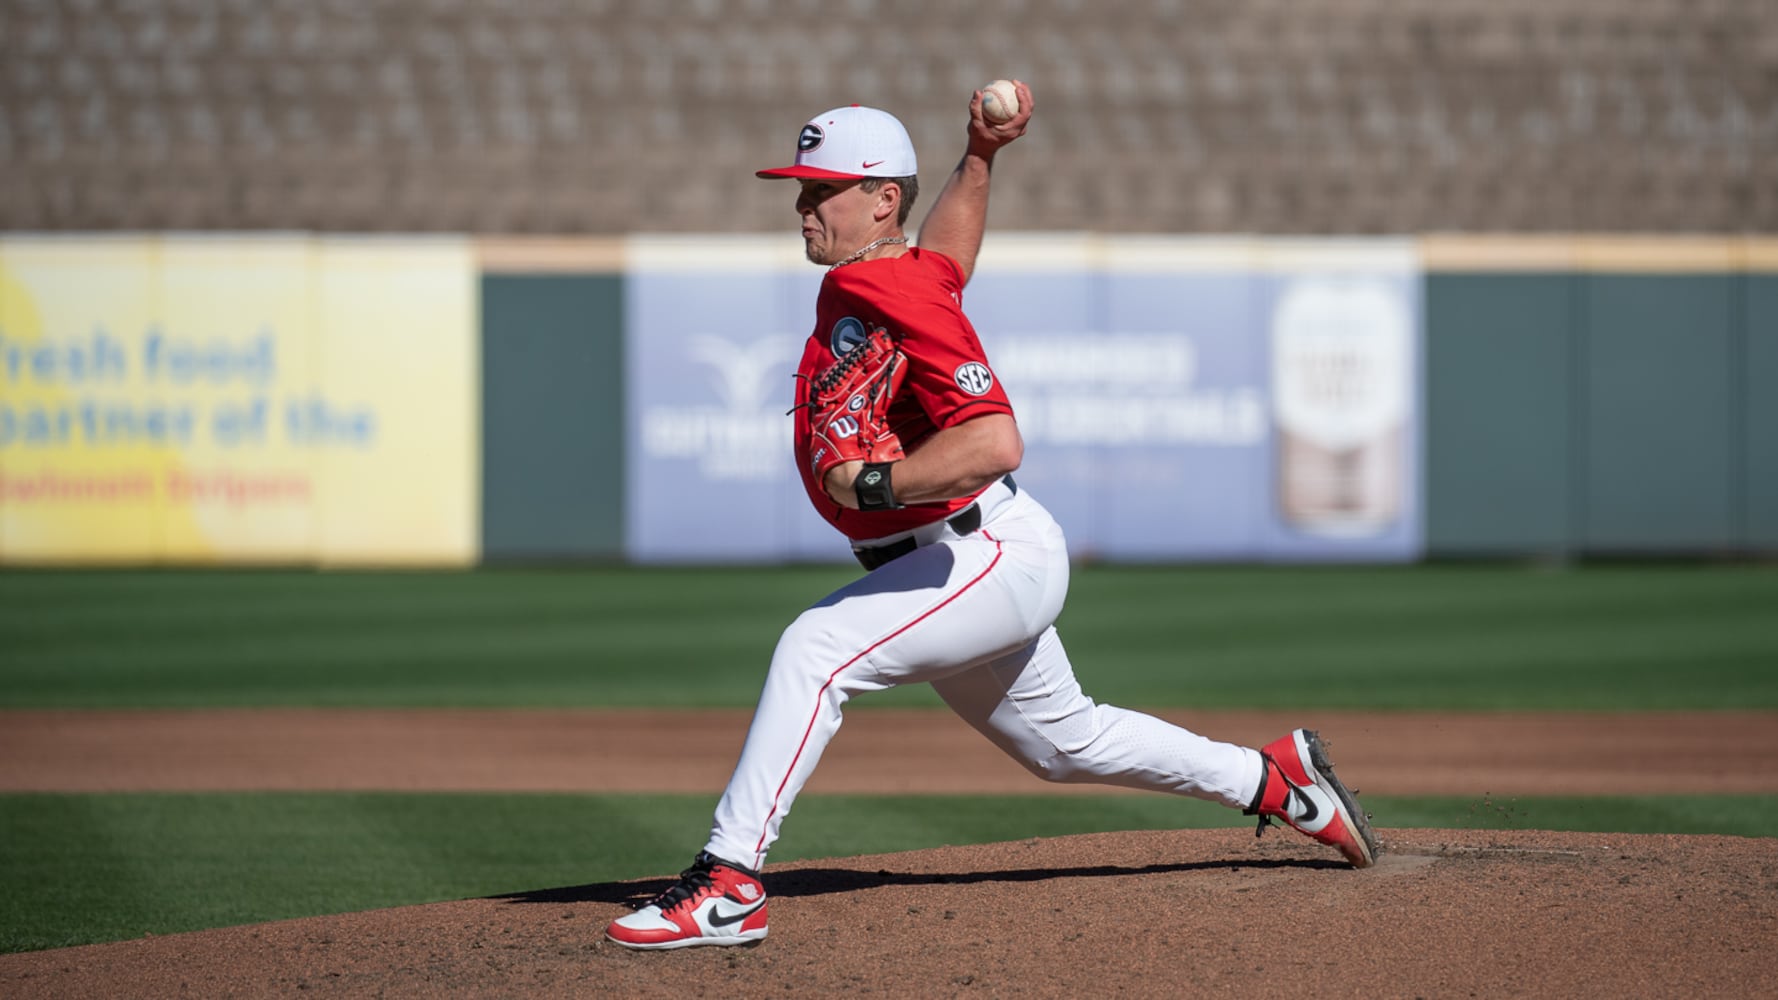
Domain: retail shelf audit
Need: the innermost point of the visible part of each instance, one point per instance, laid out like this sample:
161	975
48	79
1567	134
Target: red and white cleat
713	903
1299	787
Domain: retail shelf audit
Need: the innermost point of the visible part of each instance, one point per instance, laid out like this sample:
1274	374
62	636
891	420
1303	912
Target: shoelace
692	881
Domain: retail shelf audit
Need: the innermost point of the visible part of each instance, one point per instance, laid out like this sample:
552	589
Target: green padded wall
1658	399
552	416
1759	408
1500	374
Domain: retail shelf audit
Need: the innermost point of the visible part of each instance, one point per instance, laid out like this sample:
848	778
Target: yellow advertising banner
197	399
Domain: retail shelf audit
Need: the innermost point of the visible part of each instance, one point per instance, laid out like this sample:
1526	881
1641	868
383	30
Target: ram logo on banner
199	399
740	436
714	329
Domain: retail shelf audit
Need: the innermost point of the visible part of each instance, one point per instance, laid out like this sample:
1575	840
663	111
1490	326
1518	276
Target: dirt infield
1198	913
876	752
1186	913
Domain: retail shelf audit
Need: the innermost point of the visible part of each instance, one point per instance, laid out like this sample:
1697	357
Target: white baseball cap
848	143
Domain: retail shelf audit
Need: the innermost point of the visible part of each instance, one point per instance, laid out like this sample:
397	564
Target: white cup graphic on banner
1340	385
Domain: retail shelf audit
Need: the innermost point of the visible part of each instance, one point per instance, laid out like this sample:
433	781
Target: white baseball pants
973	616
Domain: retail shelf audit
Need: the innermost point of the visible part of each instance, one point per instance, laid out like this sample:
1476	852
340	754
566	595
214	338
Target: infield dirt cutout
1169	913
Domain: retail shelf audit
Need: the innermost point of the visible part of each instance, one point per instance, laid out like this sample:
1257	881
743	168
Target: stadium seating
611	116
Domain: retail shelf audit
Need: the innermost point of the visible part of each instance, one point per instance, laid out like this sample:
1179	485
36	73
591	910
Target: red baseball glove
849	406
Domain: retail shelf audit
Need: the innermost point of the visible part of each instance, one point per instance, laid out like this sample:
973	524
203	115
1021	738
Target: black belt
964	522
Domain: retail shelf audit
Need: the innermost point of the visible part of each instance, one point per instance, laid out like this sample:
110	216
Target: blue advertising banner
1035	303
1213	399
1145	412
714	327
1180	399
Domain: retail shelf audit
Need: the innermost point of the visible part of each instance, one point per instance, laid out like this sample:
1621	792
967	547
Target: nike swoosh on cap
868	164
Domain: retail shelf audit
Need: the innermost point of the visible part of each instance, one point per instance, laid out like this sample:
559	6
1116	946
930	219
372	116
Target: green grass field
85	868
1633	637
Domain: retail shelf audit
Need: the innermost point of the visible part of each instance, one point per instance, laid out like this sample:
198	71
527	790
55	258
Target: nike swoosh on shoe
718	918
1318	809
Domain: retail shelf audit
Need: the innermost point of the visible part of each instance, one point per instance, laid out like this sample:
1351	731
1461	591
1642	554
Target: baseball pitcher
905	441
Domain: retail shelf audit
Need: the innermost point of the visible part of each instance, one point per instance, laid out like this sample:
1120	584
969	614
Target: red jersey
917	297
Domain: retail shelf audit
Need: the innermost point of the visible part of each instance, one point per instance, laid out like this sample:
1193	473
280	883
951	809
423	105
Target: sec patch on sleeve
974	378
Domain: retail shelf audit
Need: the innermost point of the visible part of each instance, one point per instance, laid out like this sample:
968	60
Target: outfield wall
1597	396
441	401
552	400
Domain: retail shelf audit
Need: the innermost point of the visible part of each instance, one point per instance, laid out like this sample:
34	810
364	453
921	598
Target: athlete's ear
888	204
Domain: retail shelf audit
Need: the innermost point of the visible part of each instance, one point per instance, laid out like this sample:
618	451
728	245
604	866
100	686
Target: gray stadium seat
612	116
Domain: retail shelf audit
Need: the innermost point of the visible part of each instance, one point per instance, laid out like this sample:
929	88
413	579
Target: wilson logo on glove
848	405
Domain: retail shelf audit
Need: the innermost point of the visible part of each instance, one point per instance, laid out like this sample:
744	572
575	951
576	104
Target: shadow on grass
797	882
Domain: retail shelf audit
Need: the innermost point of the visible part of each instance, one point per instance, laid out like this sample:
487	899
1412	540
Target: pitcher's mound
1186	913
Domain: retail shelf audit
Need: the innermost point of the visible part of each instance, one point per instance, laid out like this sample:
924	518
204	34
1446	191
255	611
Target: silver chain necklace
867	248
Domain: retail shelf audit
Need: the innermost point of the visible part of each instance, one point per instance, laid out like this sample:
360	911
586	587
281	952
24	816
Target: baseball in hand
999	101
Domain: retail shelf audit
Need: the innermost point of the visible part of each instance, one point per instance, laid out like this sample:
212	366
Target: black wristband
873	489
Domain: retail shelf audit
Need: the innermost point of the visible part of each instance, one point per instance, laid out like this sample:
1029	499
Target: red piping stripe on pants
830	679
